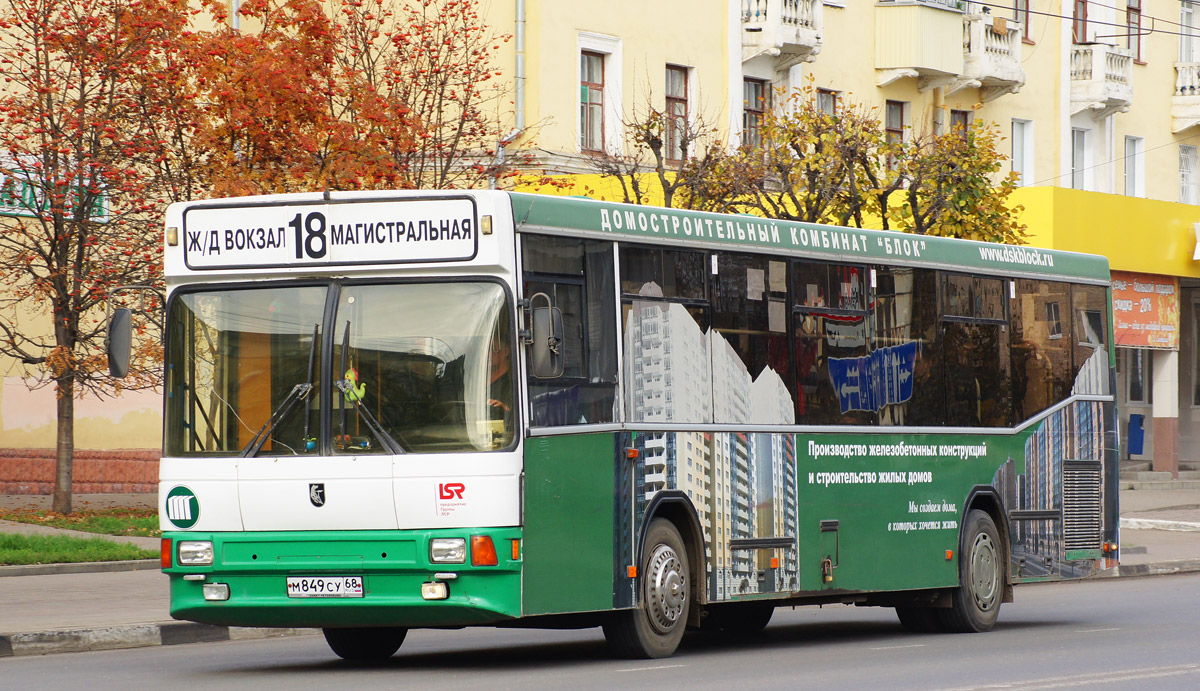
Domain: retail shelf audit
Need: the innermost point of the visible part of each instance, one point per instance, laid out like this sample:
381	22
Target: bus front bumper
394	582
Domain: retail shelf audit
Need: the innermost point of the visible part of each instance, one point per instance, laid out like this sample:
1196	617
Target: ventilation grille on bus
1081	505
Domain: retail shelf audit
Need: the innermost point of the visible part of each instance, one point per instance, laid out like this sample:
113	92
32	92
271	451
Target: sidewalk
69	608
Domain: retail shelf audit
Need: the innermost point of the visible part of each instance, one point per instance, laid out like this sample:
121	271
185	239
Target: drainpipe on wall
519	98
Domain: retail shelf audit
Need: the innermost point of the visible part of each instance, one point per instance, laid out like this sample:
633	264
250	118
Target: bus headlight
195	553
448	550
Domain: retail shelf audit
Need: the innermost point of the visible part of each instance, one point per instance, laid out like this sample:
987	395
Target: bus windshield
411	368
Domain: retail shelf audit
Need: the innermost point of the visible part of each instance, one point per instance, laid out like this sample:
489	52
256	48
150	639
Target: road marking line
1095	630
647	669
898	647
1092	679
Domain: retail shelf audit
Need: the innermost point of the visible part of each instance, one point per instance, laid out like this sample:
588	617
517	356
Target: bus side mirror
119	342
545	350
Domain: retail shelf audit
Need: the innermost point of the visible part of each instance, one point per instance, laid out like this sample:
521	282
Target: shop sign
1145	310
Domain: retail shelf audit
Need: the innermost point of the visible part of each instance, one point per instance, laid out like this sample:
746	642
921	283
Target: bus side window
906	323
1041	355
976	347
578	277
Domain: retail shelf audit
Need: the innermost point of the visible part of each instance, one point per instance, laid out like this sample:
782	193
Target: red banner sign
1145	310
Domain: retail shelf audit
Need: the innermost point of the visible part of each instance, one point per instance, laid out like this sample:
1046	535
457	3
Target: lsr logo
451	490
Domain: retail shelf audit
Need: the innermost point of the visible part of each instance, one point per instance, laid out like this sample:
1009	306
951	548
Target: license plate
325	586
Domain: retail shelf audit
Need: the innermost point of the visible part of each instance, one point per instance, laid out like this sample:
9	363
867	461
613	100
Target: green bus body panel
545	213
569	523
897	515
256	565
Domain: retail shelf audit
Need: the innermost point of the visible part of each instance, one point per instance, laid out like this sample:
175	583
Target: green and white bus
396	410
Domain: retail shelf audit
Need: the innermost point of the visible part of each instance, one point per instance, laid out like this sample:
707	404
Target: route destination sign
329	233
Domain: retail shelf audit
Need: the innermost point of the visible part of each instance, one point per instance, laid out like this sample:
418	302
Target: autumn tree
666	158
80	195
950	187
840	168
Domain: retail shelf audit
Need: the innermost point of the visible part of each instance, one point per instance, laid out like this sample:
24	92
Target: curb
132	636
1160	568
81	567
1157	524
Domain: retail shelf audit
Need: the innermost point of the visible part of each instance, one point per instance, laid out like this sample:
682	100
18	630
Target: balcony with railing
787	30
991	55
1101	79
922	40
1185	104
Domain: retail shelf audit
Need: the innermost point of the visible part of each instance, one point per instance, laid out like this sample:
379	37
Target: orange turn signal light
774	562
165	553
483	551
949	554
632	571
631	454
516	550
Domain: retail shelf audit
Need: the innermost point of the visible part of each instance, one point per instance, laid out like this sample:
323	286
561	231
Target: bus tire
920	619
365	644
976	600
654	628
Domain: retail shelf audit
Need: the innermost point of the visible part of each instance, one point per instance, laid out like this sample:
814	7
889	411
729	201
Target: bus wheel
365	644
655	627
981	577
920	619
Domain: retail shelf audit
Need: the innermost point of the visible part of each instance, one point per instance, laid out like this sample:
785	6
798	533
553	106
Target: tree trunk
65	445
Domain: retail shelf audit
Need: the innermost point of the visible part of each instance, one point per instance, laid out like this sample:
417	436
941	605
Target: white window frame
1135	166
1022	151
1189	32
1189	160
1079	158
610	47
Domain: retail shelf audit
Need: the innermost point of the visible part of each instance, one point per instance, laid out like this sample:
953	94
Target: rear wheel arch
987	499
676	507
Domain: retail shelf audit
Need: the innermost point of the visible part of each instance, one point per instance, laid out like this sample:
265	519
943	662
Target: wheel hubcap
985	576
666	589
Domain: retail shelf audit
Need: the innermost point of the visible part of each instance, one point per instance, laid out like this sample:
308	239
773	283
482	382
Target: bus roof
698	229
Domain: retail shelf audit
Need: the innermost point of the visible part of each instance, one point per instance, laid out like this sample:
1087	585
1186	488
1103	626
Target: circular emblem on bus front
183	508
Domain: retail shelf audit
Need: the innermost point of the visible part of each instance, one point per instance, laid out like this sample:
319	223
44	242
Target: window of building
591	101
1021	16
1189	33
1139	374
1022	151
677	111
1133	24
1079	23
754	110
960	120
1079	158
895	120
1189	162
827	101
1135	162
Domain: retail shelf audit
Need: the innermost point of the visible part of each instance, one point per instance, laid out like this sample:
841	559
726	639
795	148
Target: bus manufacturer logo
451	490
316	493
183	509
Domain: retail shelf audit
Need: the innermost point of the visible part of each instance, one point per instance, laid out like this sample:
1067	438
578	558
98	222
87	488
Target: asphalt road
1132	633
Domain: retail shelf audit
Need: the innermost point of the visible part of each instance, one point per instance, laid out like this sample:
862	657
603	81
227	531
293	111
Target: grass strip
59	549
114	521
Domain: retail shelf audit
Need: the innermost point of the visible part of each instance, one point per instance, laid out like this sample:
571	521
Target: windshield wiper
385	440
298	393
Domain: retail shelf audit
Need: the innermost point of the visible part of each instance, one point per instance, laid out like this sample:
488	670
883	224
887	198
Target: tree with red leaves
81	190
